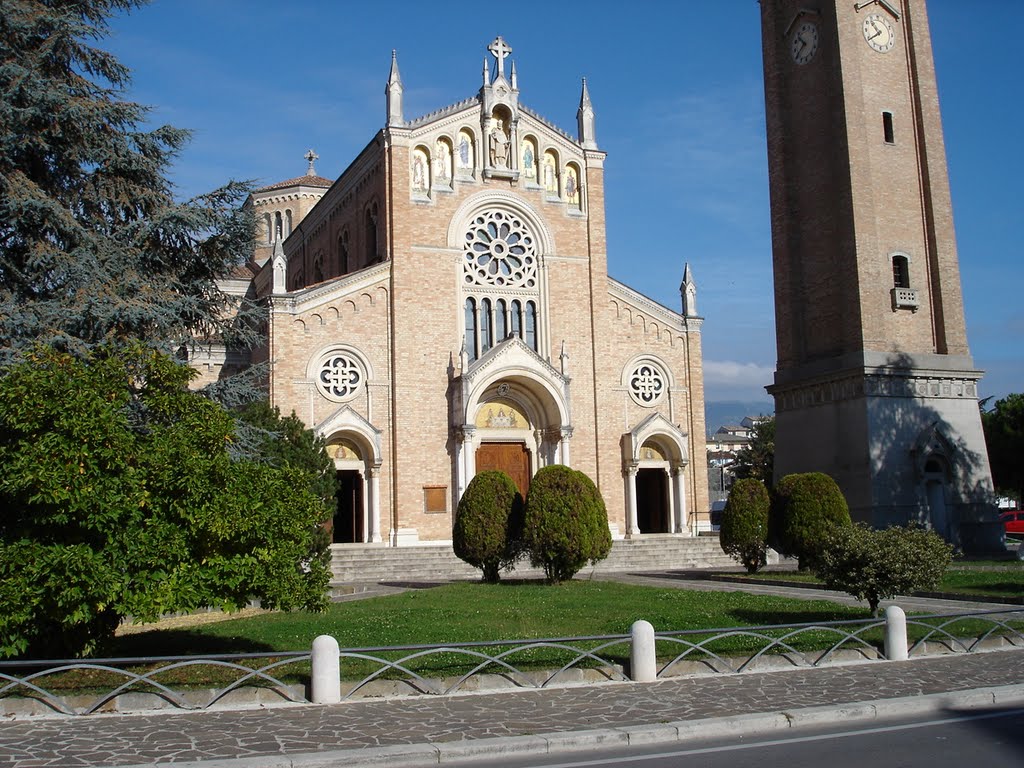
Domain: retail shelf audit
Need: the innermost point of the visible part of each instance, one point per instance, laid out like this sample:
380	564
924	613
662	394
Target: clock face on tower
804	43
879	32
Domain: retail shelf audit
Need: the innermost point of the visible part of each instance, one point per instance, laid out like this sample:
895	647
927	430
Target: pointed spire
688	292
515	80
585	120
394	93
487	74
280	269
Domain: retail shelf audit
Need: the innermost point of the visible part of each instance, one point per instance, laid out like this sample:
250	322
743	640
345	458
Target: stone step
354	564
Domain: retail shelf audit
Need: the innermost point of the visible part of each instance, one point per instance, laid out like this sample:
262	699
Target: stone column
673	523
468	456
631	525
563	445
367	533
679	476
375	536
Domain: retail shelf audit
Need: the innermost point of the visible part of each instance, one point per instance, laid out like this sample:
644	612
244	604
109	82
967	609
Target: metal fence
327	674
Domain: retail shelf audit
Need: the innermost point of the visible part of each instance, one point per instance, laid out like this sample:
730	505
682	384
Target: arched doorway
348	525
936	493
653	491
513	408
655	458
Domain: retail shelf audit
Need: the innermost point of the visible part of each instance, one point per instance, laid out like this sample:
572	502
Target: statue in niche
550	182
570	187
499	145
529	169
419	173
464	152
442	161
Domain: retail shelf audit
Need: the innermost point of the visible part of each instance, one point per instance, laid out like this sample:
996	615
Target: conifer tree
94	248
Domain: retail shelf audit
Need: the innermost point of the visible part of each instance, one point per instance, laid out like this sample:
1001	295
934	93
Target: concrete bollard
895	634
325	687
643	664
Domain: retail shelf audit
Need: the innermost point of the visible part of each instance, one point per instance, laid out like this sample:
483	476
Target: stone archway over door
511	458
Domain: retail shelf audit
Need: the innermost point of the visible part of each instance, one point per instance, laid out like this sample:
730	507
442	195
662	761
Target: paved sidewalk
428	730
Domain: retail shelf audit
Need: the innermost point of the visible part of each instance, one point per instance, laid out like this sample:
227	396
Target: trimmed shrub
489	523
744	531
808	507
566	523
878	565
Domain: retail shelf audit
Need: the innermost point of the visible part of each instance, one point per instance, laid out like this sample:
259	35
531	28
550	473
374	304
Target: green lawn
466	612
961	578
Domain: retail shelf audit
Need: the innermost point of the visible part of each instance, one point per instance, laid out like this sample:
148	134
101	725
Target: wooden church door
511	458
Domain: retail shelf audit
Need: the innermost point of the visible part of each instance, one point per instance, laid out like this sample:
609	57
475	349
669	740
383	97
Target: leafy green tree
1004	435
94	249
808	507
744	529
566	523
878	565
489	524
757	460
120	497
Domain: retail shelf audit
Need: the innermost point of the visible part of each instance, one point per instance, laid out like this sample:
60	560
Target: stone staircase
374	564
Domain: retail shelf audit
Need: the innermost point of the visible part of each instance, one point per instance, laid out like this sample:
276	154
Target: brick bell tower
874	384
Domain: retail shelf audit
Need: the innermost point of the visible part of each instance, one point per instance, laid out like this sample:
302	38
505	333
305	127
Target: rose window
500	251
339	376
646	384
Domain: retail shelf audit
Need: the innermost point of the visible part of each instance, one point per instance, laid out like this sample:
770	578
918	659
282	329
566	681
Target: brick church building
444	307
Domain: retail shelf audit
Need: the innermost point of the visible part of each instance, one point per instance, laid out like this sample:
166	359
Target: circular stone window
500	251
339	376
647	383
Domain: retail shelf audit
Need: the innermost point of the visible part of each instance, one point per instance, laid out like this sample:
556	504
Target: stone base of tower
902	437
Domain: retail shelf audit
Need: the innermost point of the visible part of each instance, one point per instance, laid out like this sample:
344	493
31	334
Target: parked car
1013	522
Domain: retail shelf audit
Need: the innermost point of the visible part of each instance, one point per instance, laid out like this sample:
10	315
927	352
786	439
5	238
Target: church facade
444	307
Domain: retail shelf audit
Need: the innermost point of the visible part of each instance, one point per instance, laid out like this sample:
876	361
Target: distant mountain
724	412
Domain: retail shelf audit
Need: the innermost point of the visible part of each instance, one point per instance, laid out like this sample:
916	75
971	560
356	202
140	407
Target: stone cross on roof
310	157
500	50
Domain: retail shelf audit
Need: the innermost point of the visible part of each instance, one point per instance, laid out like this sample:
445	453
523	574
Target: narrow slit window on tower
900	272
887	128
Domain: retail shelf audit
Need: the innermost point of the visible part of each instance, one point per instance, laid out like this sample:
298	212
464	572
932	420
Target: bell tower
874	382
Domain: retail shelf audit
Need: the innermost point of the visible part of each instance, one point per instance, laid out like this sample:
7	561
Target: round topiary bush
809	507
566	524
488	524
744	531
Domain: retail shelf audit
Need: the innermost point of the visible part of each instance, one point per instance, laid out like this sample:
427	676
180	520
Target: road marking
779	742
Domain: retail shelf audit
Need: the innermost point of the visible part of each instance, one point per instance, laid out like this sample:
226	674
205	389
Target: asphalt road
976	739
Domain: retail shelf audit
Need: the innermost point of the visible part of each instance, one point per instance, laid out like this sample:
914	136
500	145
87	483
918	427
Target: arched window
516	318
278	227
486	340
500	321
371	235
471	345
530	335
287	223
268	229
343	252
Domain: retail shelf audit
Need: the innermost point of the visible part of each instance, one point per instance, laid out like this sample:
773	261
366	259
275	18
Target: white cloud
730	372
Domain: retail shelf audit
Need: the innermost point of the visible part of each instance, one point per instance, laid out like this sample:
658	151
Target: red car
1013	522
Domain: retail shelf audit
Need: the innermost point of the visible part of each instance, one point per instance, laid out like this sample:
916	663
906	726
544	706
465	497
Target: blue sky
678	96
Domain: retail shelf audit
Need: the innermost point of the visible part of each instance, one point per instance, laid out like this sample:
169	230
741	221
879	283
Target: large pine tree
94	248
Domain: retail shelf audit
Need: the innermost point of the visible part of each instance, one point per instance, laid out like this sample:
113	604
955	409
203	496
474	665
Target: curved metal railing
446	669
